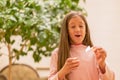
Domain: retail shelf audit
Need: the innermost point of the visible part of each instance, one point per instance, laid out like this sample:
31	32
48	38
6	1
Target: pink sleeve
53	66
108	75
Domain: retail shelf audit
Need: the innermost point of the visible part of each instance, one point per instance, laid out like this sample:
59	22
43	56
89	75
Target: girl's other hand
100	56
70	64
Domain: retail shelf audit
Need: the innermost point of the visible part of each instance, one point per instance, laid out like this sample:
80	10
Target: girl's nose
77	28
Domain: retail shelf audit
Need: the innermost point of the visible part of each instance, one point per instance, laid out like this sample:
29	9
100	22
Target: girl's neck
76	44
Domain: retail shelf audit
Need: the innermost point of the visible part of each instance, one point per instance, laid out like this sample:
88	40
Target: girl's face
76	29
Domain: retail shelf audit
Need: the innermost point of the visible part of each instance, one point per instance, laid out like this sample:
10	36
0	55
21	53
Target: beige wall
104	22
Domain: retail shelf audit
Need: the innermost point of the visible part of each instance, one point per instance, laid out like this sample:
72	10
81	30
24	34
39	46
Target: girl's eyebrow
73	22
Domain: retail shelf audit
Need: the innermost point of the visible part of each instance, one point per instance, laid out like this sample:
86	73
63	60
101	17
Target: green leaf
17	57
7	37
36	57
2	3
15	50
12	42
30	49
33	40
13	18
76	1
22	53
16	53
68	2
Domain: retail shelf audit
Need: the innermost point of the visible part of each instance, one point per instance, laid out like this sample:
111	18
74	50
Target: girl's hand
70	64
100	56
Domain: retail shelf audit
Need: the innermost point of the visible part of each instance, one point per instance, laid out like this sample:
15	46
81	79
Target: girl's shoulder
55	51
54	54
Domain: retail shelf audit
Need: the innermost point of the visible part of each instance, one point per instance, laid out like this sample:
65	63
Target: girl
71	61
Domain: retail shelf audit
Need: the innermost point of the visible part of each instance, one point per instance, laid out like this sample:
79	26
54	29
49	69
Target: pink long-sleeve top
87	70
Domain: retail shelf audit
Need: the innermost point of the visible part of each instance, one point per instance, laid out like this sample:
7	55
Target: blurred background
102	16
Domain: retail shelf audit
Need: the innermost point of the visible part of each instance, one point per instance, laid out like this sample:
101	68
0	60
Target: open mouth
77	35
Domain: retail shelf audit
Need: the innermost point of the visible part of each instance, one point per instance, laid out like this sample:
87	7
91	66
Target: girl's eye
80	26
72	26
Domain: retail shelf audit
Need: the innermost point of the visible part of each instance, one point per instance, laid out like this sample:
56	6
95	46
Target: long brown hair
64	45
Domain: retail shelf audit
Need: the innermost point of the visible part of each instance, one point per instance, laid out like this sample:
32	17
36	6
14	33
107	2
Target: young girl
73	60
